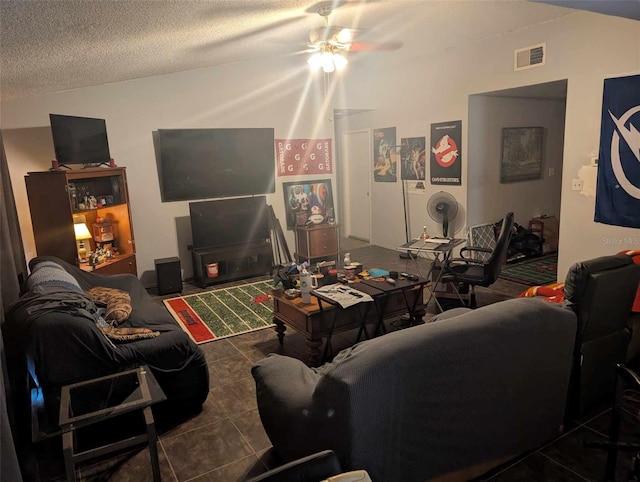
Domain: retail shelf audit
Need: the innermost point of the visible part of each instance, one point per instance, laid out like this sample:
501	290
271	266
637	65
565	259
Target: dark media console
233	262
231	239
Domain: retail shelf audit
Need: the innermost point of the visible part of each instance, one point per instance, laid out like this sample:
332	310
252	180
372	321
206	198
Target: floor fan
443	209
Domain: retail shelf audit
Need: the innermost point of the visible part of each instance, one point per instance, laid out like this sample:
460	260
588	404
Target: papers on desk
343	295
428	243
437	240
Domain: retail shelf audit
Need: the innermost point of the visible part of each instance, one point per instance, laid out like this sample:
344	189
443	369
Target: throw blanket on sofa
53	289
554	292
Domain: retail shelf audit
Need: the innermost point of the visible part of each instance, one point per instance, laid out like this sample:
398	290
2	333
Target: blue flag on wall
618	188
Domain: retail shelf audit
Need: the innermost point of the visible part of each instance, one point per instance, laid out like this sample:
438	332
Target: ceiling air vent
529	57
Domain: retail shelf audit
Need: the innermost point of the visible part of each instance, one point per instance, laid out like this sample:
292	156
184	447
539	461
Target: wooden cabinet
318	241
57	198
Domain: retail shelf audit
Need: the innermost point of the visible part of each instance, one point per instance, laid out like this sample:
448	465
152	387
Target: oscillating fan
443	208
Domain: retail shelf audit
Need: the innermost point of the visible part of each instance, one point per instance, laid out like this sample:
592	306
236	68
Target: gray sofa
455	396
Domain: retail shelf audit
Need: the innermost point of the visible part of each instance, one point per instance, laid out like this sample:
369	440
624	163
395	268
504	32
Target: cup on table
350	272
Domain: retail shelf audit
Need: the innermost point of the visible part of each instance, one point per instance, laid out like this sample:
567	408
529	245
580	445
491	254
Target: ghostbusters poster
446	153
304	156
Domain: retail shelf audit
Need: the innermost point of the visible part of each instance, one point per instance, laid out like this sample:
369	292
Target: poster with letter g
446	153
304	156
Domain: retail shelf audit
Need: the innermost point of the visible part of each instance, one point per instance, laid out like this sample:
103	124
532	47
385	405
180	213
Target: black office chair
478	272
625	404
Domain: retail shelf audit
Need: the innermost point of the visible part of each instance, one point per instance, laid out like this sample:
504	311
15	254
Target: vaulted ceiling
48	46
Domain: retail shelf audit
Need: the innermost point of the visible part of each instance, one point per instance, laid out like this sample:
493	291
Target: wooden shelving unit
57	197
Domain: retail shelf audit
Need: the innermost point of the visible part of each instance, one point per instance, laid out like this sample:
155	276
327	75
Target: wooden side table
318	241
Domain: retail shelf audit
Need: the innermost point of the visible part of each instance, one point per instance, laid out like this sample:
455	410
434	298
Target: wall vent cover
529	57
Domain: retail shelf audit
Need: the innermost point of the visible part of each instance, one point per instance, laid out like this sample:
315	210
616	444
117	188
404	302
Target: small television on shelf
215	163
227	222
79	140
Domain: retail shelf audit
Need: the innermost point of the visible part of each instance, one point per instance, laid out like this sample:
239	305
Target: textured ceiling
51	46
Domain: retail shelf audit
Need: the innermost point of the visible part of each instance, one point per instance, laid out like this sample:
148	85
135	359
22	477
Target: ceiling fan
330	43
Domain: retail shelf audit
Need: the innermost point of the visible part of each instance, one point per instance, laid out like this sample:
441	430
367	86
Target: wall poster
304	156
385	158
446	153
416	187
413	157
308	201
618	186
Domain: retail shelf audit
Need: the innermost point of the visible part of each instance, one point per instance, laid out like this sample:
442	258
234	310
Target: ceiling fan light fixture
340	61
328	59
315	61
344	36
327	62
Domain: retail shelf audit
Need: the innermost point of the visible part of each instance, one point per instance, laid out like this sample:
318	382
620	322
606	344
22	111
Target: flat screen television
227	222
79	140
215	163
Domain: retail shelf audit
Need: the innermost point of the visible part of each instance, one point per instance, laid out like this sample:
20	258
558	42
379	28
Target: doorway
489	199
356	200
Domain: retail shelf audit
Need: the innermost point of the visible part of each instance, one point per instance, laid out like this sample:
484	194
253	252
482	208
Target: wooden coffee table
315	324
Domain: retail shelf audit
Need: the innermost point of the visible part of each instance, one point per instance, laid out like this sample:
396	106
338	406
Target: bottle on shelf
305	286
347	259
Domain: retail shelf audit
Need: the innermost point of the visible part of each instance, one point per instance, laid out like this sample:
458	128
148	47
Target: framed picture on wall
308	201
522	152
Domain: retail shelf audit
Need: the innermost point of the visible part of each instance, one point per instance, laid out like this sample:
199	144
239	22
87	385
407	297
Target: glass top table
88	402
92	401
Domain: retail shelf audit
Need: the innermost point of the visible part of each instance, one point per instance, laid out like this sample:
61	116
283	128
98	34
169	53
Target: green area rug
533	272
223	312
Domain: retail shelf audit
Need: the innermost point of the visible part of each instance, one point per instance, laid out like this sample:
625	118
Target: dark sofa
62	345
456	396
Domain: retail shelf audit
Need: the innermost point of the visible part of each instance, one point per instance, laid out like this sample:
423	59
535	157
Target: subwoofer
169	275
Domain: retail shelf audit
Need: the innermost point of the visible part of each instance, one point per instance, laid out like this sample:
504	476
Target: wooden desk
308	319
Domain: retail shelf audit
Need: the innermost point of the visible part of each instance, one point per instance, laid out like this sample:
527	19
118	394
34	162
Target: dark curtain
12	271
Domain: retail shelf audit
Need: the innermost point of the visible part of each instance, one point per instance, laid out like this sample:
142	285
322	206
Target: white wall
488	199
411	93
408	89
258	94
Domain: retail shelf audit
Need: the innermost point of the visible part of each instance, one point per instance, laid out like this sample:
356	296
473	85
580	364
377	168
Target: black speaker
169	275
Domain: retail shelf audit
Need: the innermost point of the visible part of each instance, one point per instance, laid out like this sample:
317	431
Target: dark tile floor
226	441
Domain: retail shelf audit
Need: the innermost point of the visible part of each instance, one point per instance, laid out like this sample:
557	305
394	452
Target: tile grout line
564	467
166	456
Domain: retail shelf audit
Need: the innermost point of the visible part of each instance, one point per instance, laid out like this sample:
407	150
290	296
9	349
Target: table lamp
82	233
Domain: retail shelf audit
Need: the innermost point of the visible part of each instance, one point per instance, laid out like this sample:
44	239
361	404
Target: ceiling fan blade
332	33
374	46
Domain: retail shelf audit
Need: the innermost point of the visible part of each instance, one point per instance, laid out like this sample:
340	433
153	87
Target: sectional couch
452	397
